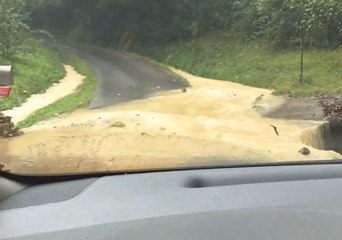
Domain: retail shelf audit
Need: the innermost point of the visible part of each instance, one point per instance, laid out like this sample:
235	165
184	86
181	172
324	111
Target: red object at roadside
5	91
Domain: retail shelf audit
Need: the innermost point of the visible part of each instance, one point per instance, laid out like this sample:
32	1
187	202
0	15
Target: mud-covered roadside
332	107
321	108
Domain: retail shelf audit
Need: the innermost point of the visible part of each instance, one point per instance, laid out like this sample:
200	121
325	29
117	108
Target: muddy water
317	136
215	122
324	136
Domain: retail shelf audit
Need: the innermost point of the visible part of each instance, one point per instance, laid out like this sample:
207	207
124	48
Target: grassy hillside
255	64
34	73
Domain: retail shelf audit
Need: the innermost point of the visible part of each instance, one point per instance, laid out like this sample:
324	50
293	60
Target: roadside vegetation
255	64
255	42
34	73
36	67
81	98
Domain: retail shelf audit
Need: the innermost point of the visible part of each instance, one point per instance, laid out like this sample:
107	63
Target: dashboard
270	202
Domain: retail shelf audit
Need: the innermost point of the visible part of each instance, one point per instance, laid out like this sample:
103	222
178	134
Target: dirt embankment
214	122
332	107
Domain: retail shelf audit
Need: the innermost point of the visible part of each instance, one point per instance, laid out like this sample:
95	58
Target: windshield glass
93	86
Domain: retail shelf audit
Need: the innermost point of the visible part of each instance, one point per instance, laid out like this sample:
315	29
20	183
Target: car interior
265	202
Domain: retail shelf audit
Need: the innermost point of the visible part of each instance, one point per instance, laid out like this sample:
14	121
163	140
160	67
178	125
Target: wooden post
301	77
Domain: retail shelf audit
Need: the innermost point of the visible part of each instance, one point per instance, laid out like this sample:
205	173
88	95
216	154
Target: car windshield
93	86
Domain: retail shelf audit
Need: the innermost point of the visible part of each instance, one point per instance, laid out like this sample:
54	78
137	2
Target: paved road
123	77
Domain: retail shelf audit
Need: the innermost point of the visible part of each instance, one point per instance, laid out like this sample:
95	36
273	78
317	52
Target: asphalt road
124	77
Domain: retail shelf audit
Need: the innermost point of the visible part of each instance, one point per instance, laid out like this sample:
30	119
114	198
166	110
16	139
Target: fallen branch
275	130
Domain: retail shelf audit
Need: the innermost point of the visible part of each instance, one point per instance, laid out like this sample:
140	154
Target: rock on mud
305	151
7	127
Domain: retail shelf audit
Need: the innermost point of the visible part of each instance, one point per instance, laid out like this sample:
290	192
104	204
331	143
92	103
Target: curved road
123	77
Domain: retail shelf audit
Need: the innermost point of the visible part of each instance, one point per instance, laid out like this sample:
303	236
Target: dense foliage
15	29
13	26
110	22
123	23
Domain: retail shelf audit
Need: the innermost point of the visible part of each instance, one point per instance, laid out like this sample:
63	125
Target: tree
107	22
13	27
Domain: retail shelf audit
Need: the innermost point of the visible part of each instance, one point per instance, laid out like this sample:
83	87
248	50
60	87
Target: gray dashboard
280	202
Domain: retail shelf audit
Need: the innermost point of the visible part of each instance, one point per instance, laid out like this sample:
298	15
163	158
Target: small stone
118	125
184	90
162	129
305	151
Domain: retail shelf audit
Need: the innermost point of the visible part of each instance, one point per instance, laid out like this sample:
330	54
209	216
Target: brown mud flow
325	136
212	123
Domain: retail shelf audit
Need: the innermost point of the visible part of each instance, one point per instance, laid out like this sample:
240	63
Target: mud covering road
123	77
213	123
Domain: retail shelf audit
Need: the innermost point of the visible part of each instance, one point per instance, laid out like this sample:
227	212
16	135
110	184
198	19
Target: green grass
33	73
255	64
80	99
